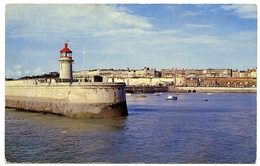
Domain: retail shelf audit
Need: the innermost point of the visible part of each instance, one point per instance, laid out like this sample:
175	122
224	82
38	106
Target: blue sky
118	36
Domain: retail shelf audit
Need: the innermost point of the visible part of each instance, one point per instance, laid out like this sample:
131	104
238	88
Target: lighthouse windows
66	54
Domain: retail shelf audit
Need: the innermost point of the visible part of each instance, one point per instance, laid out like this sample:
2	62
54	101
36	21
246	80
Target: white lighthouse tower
66	63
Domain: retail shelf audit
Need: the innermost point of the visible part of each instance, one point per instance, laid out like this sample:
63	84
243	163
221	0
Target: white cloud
112	34
74	20
243	11
9	73
27	72
18	73
17	67
38	71
246	42
125	32
188	13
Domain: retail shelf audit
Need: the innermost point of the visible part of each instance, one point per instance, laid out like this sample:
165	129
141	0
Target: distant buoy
206	100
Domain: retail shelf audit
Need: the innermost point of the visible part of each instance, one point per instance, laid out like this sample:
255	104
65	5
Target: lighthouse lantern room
66	63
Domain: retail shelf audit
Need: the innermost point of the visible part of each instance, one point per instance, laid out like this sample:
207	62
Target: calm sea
188	130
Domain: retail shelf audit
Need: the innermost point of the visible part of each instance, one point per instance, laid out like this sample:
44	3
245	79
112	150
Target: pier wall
69	99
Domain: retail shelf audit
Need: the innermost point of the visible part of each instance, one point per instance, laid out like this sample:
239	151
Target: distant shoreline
211	90
153	89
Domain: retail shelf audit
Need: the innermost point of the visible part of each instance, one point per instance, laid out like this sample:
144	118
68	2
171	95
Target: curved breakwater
68	99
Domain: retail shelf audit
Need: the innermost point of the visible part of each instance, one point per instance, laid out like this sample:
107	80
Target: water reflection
60	138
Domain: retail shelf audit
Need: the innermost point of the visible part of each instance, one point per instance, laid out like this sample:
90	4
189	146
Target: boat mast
84	65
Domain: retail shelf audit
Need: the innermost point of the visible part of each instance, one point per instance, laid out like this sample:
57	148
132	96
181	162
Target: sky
120	36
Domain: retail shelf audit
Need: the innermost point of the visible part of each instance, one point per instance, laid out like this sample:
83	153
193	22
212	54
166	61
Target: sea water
195	128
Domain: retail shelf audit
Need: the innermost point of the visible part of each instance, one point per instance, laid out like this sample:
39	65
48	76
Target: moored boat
141	95
156	94
128	94
170	97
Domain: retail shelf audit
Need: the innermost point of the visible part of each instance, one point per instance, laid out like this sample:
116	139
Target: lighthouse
66	63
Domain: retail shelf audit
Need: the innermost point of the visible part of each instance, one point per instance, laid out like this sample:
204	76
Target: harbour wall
69	99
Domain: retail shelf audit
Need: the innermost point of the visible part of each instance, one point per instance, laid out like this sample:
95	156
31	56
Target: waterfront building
250	73
145	72
253	73
226	82
217	72
170	73
180	73
192	81
207	82
122	73
193	73
243	73
196	72
235	73
117	73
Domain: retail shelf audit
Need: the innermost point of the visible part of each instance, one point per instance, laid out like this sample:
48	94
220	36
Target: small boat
170	97
209	93
156	94
141	95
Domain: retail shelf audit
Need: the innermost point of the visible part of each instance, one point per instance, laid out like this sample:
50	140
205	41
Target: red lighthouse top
65	49
66	52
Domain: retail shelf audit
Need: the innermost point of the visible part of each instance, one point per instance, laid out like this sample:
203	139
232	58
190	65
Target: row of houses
220	82
177	77
206	73
146	72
